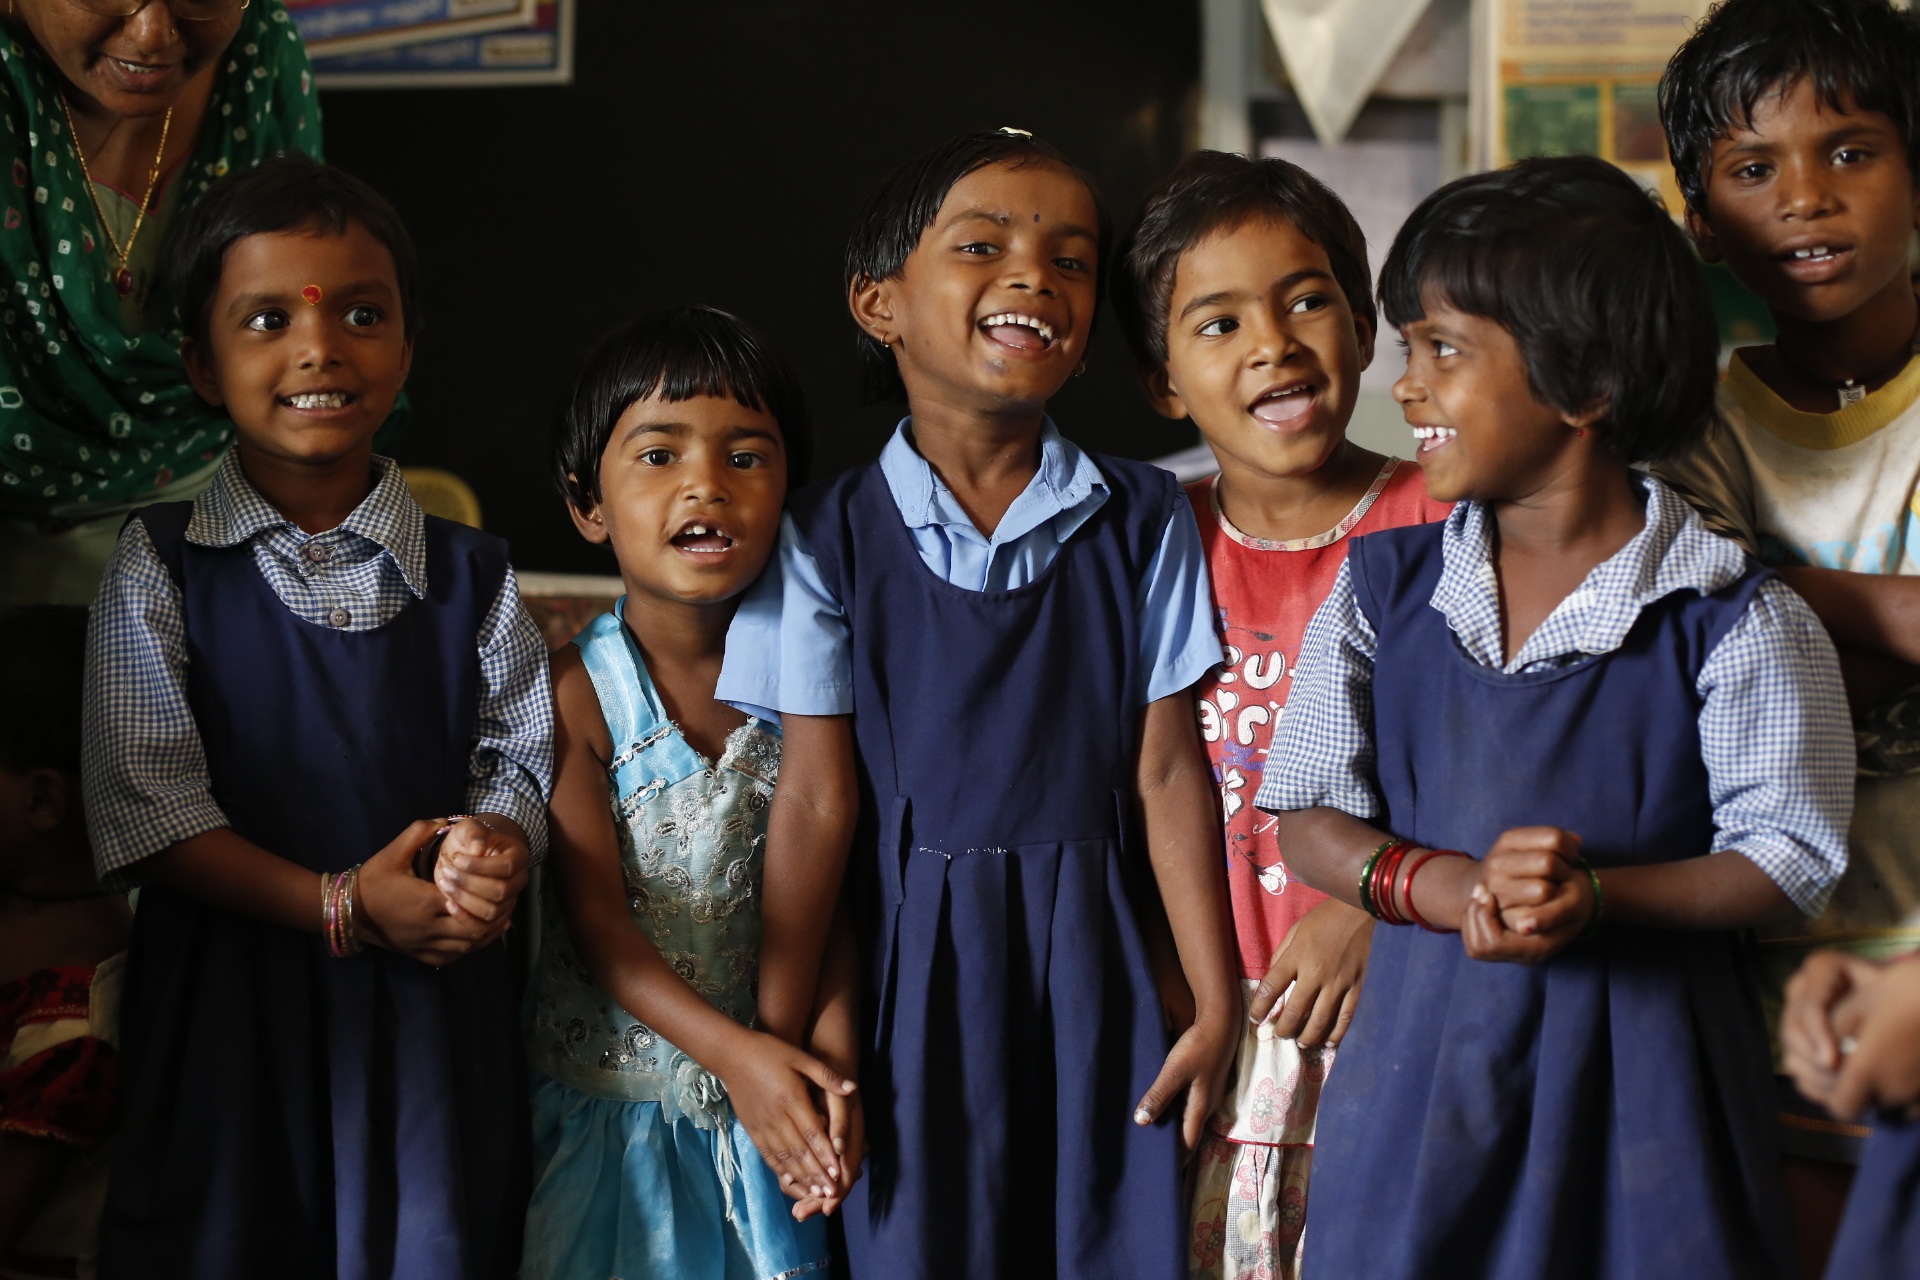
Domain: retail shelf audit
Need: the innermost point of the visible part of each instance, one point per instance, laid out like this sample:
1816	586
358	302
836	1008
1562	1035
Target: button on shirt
146	781
790	649
1775	736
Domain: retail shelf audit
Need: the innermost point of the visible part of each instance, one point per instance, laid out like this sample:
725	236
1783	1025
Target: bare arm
809	829
30	1168
1183	844
1876	613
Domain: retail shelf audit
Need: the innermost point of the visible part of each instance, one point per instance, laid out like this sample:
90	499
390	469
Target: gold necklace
123	278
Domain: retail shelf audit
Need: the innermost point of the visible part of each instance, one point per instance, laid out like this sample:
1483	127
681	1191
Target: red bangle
1426	856
1384	877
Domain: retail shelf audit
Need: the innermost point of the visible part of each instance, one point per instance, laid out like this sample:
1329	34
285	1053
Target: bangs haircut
1598	287
1215	192
677	354
905	204
287	193
43	661
1856	54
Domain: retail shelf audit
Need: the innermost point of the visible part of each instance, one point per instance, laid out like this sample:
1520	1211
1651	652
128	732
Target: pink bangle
1406	890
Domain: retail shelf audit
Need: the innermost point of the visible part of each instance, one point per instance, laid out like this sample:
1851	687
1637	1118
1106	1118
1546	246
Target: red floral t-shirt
1266	593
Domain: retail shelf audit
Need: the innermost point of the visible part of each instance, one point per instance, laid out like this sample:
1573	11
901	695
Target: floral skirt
623	1192
1250	1174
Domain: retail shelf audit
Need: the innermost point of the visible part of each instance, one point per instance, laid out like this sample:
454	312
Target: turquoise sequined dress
643	1171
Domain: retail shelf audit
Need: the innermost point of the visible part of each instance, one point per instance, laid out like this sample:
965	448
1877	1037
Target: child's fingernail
1142	1116
839	1149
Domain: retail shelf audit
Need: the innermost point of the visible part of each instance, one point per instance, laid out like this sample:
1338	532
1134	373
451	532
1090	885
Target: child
62	945
1576	729
1795	132
292	683
651	1096
1852	1040
1011	629
1249	307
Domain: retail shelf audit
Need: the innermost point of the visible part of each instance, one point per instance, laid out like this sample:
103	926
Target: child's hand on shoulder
395	909
1532	897
1323	959
768	1081
482	868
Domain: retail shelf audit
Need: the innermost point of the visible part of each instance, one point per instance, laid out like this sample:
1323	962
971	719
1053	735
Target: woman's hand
768	1081
1531	897
1323	959
395	909
1198	1065
483	869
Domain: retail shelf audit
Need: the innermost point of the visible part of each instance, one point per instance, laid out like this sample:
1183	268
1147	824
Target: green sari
94	418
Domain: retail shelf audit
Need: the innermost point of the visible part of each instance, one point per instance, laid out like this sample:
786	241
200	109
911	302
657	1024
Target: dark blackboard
714	151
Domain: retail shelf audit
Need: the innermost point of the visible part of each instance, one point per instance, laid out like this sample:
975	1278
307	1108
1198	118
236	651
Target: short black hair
899	211
1598	287
43	663
677	353
1213	191
286	193
1863	53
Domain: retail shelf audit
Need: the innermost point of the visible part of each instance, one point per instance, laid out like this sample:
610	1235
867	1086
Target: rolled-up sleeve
143	767
1323	749
1179	642
510	769
789	648
1777	742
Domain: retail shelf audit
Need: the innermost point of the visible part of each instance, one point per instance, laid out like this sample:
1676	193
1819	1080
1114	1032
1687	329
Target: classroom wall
716	152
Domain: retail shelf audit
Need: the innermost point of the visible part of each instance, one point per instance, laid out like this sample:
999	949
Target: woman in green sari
117	115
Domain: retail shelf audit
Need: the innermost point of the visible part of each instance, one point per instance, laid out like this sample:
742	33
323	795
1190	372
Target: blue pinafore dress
1880	1235
644	1172
1607	1113
288	1114
1012	1022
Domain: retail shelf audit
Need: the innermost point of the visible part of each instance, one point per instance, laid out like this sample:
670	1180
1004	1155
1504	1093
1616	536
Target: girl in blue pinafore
292	683
1583	742
1019	700
653	1100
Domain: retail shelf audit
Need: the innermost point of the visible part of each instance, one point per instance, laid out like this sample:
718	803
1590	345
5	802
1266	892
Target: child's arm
834	1038
766	1078
30	1169
1183	844
1874	619
1322	958
809	829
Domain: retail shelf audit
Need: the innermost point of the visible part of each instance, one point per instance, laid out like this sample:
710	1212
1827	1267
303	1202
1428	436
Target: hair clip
312	294
1012	132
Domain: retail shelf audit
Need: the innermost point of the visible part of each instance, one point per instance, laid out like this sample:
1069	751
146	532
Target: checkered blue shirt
145	773
1774	729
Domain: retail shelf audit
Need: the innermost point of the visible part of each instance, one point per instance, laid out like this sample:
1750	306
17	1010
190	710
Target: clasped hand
468	904
1851	1032
1528	898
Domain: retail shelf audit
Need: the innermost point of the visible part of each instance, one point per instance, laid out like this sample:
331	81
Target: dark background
715	151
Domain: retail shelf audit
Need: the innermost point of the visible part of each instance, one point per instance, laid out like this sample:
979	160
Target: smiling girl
1583	742
293	683
1007	630
665	1127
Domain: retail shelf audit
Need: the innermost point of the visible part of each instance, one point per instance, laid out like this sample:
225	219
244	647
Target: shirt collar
1065	479
232	511
1674	552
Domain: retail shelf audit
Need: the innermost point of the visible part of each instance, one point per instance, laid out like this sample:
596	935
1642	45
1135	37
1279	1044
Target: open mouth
1432	438
1814	262
311	400
1285	406
1021	332
702	539
139	69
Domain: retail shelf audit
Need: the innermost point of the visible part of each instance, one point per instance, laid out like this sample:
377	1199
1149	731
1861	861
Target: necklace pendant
1852	393
123	282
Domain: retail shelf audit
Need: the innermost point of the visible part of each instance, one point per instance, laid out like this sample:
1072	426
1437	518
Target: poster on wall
1561	77
533	49
330	28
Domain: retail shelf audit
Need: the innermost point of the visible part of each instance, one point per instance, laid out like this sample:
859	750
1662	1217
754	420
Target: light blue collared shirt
790	650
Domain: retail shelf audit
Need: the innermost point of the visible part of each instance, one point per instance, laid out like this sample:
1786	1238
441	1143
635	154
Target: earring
1080	368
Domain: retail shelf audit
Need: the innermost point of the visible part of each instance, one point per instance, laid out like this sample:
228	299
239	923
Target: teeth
1040	327
695	530
319	400
1435	433
1819	251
